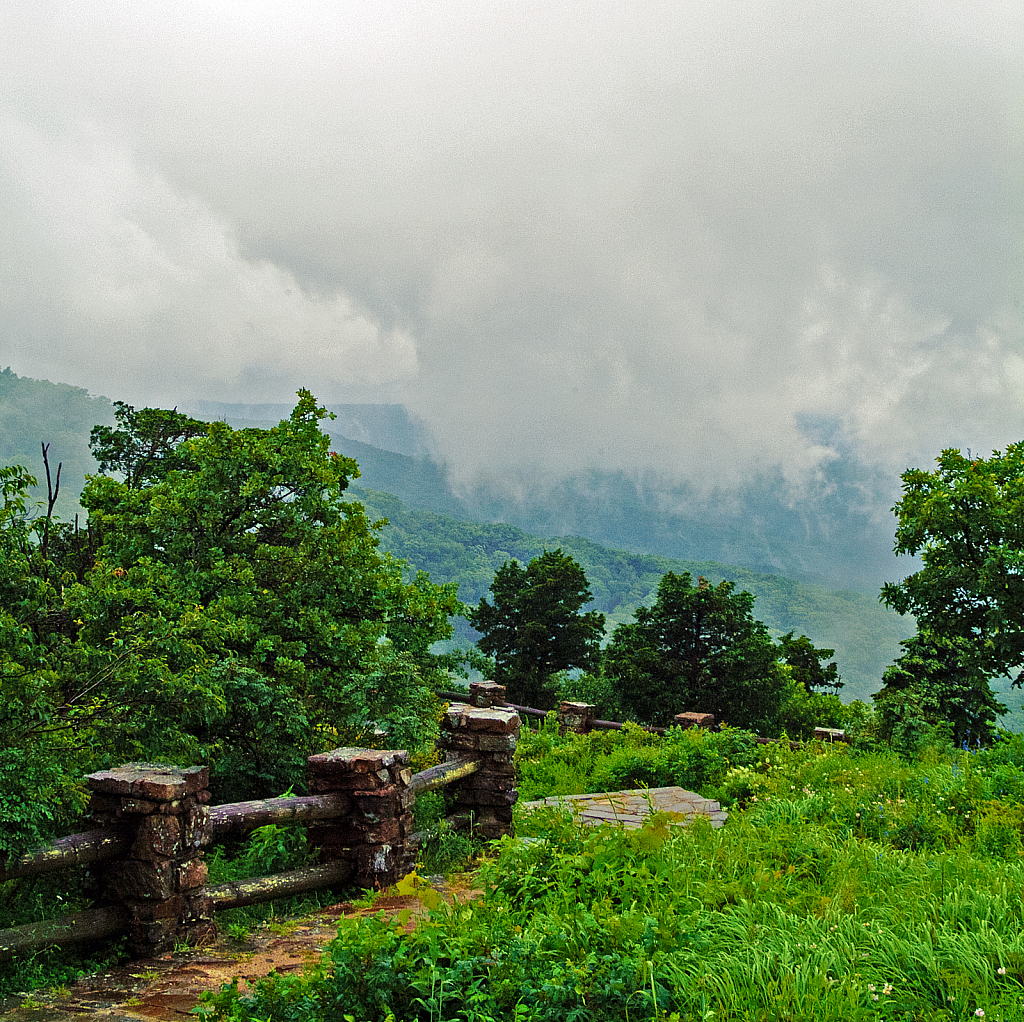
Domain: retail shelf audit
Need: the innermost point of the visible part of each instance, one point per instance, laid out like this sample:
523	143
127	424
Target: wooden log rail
242	817
65	852
444	773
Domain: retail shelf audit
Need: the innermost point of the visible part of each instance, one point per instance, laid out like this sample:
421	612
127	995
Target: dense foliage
536	626
966	520
698	648
226	605
844	886
934	683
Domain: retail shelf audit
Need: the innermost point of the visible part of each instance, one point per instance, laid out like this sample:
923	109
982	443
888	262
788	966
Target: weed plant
844	886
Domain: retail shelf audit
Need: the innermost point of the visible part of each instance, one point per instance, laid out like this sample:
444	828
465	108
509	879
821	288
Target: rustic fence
153	823
582	717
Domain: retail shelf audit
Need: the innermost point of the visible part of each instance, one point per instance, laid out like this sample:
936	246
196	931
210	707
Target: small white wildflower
1001	970
979	1013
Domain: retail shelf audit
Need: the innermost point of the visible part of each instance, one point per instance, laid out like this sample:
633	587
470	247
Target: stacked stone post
373	834
576	717
488	731
161	878
687	720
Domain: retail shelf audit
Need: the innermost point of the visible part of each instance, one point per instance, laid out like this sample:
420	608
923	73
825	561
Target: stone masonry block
372	859
497	743
383	804
483	797
197	828
191	874
686	720
460	740
153	781
135	880
493	722
385	832
147	911
158	837
486	693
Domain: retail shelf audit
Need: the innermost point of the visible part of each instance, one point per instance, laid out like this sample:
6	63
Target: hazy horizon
704	243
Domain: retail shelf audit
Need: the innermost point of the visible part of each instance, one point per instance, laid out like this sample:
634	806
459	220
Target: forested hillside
864	634
430	526
837	531
33	412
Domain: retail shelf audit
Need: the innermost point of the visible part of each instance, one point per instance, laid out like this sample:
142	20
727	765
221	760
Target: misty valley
238	592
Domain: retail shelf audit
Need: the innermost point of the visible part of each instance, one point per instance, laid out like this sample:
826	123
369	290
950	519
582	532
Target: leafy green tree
226	605
935	683
535	627
966	520
808	665
144	445
232	558
698	648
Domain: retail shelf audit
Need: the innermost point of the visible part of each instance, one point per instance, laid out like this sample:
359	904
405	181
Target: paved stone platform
629	808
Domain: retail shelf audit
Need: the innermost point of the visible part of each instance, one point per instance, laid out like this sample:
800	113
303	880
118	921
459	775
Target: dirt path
168	987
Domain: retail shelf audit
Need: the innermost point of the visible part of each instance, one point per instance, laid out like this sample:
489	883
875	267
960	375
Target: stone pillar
687	720
577	717
485	694
373	834
161	878
489	734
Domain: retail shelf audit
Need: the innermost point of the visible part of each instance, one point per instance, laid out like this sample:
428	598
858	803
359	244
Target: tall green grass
844	886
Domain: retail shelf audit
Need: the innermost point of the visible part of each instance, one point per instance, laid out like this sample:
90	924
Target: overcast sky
632	235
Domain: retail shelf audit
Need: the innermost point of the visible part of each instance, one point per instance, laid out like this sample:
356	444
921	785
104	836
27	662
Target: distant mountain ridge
631	538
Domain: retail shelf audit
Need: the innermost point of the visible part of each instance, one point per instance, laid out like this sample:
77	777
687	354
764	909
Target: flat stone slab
630	808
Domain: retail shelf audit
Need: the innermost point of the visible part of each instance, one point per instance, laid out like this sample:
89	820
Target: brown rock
385	832
339	762
148	911
497	743
191	874
157	837
138	880
197	828
493	722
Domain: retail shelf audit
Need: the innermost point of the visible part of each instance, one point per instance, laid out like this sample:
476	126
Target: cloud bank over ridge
652	236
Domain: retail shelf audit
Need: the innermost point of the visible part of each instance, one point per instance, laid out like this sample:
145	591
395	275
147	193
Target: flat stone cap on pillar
494	720
486	693
355	761
155	781
685	720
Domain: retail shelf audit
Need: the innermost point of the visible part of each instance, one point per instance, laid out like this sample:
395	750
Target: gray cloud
648	235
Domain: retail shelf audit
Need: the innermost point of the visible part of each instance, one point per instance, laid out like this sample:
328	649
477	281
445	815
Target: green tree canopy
698	648
144	445
934	683
808	665
227	605
535	627
966	520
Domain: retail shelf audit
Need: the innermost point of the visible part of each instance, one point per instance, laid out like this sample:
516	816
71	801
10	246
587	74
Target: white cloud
117	281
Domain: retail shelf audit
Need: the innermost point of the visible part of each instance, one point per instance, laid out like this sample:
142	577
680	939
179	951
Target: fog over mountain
698	247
